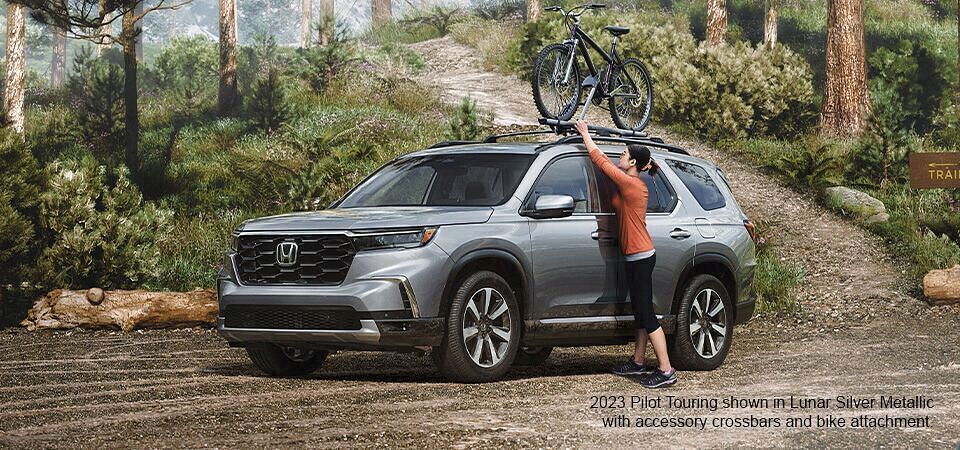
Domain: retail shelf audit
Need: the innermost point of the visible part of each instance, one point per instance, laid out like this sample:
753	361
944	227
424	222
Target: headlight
398	239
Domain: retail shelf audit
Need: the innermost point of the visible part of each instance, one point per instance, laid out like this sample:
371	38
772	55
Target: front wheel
631	95
483	330
704	325
555	91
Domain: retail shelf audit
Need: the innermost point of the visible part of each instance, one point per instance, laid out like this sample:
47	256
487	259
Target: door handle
679	233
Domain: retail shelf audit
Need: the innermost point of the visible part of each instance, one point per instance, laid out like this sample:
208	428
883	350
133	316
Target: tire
532	356
696	350
631	114
481	339
551	102
285	361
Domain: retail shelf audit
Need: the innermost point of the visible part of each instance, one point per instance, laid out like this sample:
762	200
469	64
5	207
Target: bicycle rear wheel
631	95
556	94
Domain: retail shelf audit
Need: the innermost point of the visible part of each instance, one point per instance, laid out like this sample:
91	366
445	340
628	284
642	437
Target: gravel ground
857	334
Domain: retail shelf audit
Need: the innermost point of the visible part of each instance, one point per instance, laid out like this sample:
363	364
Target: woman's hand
582	127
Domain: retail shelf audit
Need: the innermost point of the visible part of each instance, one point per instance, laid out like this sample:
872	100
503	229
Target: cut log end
942	287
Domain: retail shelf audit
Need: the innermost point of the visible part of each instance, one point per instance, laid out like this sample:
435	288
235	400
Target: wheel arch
500	261
714	264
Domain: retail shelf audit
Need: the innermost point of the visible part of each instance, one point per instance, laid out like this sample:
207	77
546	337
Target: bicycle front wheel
556	82
631	95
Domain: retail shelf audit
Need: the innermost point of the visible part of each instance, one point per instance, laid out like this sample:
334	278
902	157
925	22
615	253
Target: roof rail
442	144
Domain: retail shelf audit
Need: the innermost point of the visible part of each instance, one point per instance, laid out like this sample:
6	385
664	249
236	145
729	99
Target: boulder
126	310
942	286
866	208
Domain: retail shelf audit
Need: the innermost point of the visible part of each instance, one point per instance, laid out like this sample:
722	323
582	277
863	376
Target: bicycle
625	83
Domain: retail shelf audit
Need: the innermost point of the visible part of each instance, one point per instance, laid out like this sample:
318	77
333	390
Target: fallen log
942	286
126	310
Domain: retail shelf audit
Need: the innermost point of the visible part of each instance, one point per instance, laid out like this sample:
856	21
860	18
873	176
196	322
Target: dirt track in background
857	334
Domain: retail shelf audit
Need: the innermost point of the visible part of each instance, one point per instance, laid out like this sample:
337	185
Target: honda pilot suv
489	254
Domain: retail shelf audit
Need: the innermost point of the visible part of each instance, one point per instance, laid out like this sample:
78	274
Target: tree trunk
382	12
131	116
138	11
58	62
105	30
13	83
227	96
770	25
327	21
306	23
126	310
533	11
716	21
846	98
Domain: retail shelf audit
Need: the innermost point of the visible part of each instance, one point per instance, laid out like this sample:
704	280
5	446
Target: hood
356	219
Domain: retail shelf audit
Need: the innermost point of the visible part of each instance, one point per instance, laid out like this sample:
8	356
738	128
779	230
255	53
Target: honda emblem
287	253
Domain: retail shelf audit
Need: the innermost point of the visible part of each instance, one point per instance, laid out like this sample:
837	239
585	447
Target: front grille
320	260
291	317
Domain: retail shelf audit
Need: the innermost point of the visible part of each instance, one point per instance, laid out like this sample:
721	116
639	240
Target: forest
138	133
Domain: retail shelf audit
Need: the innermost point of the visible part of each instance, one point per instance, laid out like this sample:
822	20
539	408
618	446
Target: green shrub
96	91
185	71
267	104
916	77
881	154
192	260
20	184
465	125
812	163
775	278
99	233
439	18
500	10
320	64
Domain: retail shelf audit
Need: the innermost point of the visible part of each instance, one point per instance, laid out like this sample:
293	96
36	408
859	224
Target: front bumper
372	335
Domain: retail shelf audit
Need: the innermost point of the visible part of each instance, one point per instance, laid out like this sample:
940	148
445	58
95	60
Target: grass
774	283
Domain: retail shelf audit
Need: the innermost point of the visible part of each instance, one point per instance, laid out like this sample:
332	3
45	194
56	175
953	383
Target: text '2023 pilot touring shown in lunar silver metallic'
489	254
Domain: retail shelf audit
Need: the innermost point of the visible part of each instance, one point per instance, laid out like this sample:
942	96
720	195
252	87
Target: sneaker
632	368
659	379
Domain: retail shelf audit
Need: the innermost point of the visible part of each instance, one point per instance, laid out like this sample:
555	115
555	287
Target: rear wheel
483	330
285	361
631	95
704	325
532	356
556	94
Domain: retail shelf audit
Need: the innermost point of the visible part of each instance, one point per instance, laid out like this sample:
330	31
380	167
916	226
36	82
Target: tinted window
703	188
566	176
442	180
660	196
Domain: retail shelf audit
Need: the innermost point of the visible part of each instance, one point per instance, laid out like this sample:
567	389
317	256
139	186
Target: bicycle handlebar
579	9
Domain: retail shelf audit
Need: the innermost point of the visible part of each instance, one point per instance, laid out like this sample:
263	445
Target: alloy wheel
486	327
708	323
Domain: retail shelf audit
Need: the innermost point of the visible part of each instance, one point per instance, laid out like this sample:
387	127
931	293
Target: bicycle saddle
616	31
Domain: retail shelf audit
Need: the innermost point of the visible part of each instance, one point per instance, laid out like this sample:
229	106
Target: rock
942	286
95	296
125	310
866	208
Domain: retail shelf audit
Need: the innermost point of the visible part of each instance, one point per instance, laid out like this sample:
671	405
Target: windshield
442	180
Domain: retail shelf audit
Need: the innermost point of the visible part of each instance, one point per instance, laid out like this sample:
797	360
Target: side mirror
552	206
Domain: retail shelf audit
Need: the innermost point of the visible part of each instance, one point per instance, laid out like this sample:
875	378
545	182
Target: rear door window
660	195
699	183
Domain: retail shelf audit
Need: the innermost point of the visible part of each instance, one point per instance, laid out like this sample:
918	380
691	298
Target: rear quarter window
699	183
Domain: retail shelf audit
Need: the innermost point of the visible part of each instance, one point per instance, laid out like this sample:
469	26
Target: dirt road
857	335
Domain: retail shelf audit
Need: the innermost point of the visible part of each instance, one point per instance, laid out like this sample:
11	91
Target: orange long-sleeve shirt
630	203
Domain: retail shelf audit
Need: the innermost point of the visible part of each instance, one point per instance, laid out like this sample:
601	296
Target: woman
631	206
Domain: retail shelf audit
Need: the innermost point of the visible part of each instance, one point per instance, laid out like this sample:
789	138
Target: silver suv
489	254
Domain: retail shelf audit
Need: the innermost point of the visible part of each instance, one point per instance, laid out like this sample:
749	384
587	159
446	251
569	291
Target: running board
592	330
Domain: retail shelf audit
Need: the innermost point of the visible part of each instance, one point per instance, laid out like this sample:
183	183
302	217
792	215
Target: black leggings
640	282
